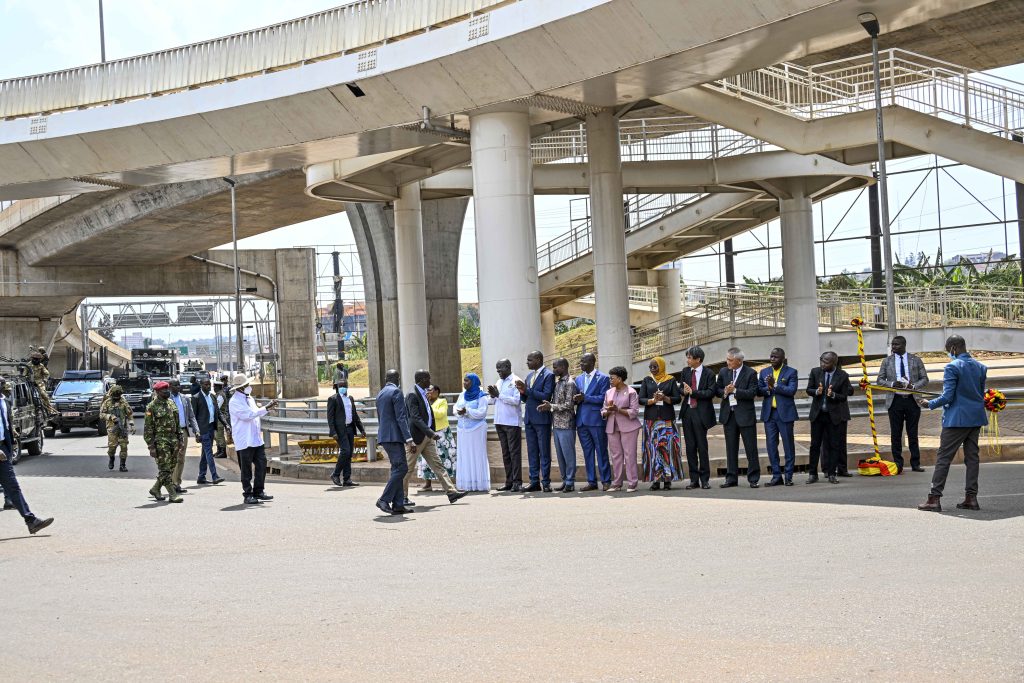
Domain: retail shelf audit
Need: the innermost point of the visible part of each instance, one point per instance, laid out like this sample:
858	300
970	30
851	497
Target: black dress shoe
728	485
789	482
668	485
202	482
588	487
812	479
705	485
263	496
454	496
532	488
402	511
832	479
37	524
775	482
506	487
547	489
383	507
408	503
349	482
917	469
558	489
845	474
253	500
10	506
568	489
691	486
336	480
754	485
516	488
656	486
218	480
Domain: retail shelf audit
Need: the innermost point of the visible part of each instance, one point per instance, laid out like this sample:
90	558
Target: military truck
156	363
77	399
138	390
27	415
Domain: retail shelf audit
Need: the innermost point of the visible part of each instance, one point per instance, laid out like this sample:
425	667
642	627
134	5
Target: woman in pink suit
622	426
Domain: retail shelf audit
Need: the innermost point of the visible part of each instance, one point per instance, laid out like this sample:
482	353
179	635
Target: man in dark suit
538	388
421	424
9	482
903	370
204	405
343	422
778	385
737	385
697	414
392	433
592	384
828	386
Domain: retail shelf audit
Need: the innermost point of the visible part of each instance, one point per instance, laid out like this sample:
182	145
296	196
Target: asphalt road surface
806	583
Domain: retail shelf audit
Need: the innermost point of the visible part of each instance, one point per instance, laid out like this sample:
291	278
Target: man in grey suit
392	433
903	370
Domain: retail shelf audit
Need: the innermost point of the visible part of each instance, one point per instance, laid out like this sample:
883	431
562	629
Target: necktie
533	377
586	383
903	370
824	394
693	385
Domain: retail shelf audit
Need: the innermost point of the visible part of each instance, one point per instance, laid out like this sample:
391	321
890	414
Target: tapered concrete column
296	294
670	301
442	233
506	240
412	289
801	285
547	333
611	290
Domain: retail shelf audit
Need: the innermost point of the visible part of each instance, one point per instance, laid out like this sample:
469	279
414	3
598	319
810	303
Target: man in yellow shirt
778	384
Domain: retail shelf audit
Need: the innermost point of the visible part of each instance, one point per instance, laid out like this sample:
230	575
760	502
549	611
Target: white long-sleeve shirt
508	406
245	421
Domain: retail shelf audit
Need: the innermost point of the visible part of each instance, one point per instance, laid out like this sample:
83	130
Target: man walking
563	422
188	424
903	370
248	436
392	434
778	385
590	426
508	420
223	427
963	416
424	436
208	417
117	413
737	385
828	386
162	433
537	388
343	422
13	497
697	414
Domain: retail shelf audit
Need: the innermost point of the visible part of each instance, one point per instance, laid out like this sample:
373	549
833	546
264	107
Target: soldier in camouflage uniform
163	436
118	414
223	427
39	375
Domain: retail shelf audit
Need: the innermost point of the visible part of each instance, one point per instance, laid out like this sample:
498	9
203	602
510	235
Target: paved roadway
816	583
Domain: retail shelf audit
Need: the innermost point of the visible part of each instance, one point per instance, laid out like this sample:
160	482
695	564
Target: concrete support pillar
412	289
547	333
442	233
296	316
506	239
799	280
611	291
373	229
670	300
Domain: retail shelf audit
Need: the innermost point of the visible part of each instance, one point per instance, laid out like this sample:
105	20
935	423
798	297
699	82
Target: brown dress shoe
932	504
970	502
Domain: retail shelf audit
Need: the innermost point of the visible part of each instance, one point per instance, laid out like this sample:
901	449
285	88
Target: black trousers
12	491
733	434
511	440
695	435
346	444
903	410
824	445
253	463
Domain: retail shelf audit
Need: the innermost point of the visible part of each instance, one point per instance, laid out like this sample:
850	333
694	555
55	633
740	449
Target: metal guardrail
924	84
353	27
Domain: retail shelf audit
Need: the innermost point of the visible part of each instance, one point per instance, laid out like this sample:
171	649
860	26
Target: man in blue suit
9	482
592	384
778	384
963	416
538	388
392	433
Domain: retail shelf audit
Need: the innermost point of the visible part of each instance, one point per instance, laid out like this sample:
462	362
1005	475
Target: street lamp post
870	23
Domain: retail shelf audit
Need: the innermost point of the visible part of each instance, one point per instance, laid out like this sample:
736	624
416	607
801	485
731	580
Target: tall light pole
239	348
870	23
103	42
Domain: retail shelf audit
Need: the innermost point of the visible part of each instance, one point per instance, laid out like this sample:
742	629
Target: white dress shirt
508	405
245	421
3	418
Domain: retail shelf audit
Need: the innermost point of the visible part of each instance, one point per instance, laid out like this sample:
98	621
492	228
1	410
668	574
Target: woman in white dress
474	470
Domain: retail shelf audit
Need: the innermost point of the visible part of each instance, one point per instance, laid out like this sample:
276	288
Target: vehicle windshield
79	386
134	384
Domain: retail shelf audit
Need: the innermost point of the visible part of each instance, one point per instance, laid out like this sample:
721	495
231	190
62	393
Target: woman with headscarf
474	470
659	394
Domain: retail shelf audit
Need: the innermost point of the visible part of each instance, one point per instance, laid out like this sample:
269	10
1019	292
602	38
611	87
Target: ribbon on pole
858	324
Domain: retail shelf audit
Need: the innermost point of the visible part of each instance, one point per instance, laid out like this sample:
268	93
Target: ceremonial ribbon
897	390
858	323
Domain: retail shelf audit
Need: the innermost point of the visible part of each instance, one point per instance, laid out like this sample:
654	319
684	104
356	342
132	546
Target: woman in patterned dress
659	394
445	445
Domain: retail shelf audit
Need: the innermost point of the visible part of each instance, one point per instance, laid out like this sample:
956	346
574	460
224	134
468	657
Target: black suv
138	391
77	399
27	415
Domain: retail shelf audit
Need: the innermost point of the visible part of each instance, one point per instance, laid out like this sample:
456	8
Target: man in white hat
248	438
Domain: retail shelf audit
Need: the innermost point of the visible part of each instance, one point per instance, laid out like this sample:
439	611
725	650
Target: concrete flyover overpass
373	99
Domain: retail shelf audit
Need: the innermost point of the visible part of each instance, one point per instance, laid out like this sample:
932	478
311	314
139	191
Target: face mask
247	390
342	390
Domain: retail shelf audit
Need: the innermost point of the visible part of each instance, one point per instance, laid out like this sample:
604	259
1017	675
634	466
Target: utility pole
339	308
239	347
1020	218
103	42
84	307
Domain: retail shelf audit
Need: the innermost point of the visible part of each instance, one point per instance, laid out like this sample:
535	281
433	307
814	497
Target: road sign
266	357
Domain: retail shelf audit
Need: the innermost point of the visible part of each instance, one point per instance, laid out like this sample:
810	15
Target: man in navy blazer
778	385
9	482
592	384
392	433
538	388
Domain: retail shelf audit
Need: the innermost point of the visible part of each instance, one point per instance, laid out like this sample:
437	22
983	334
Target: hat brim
239	386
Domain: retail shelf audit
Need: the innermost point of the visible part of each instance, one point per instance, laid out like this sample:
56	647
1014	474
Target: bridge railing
910	80
353	27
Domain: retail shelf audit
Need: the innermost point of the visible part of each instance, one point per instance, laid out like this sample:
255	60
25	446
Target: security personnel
118	414
163	436
39	376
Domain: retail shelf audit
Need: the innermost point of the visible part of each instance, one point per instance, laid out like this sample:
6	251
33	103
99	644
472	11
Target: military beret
161	385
